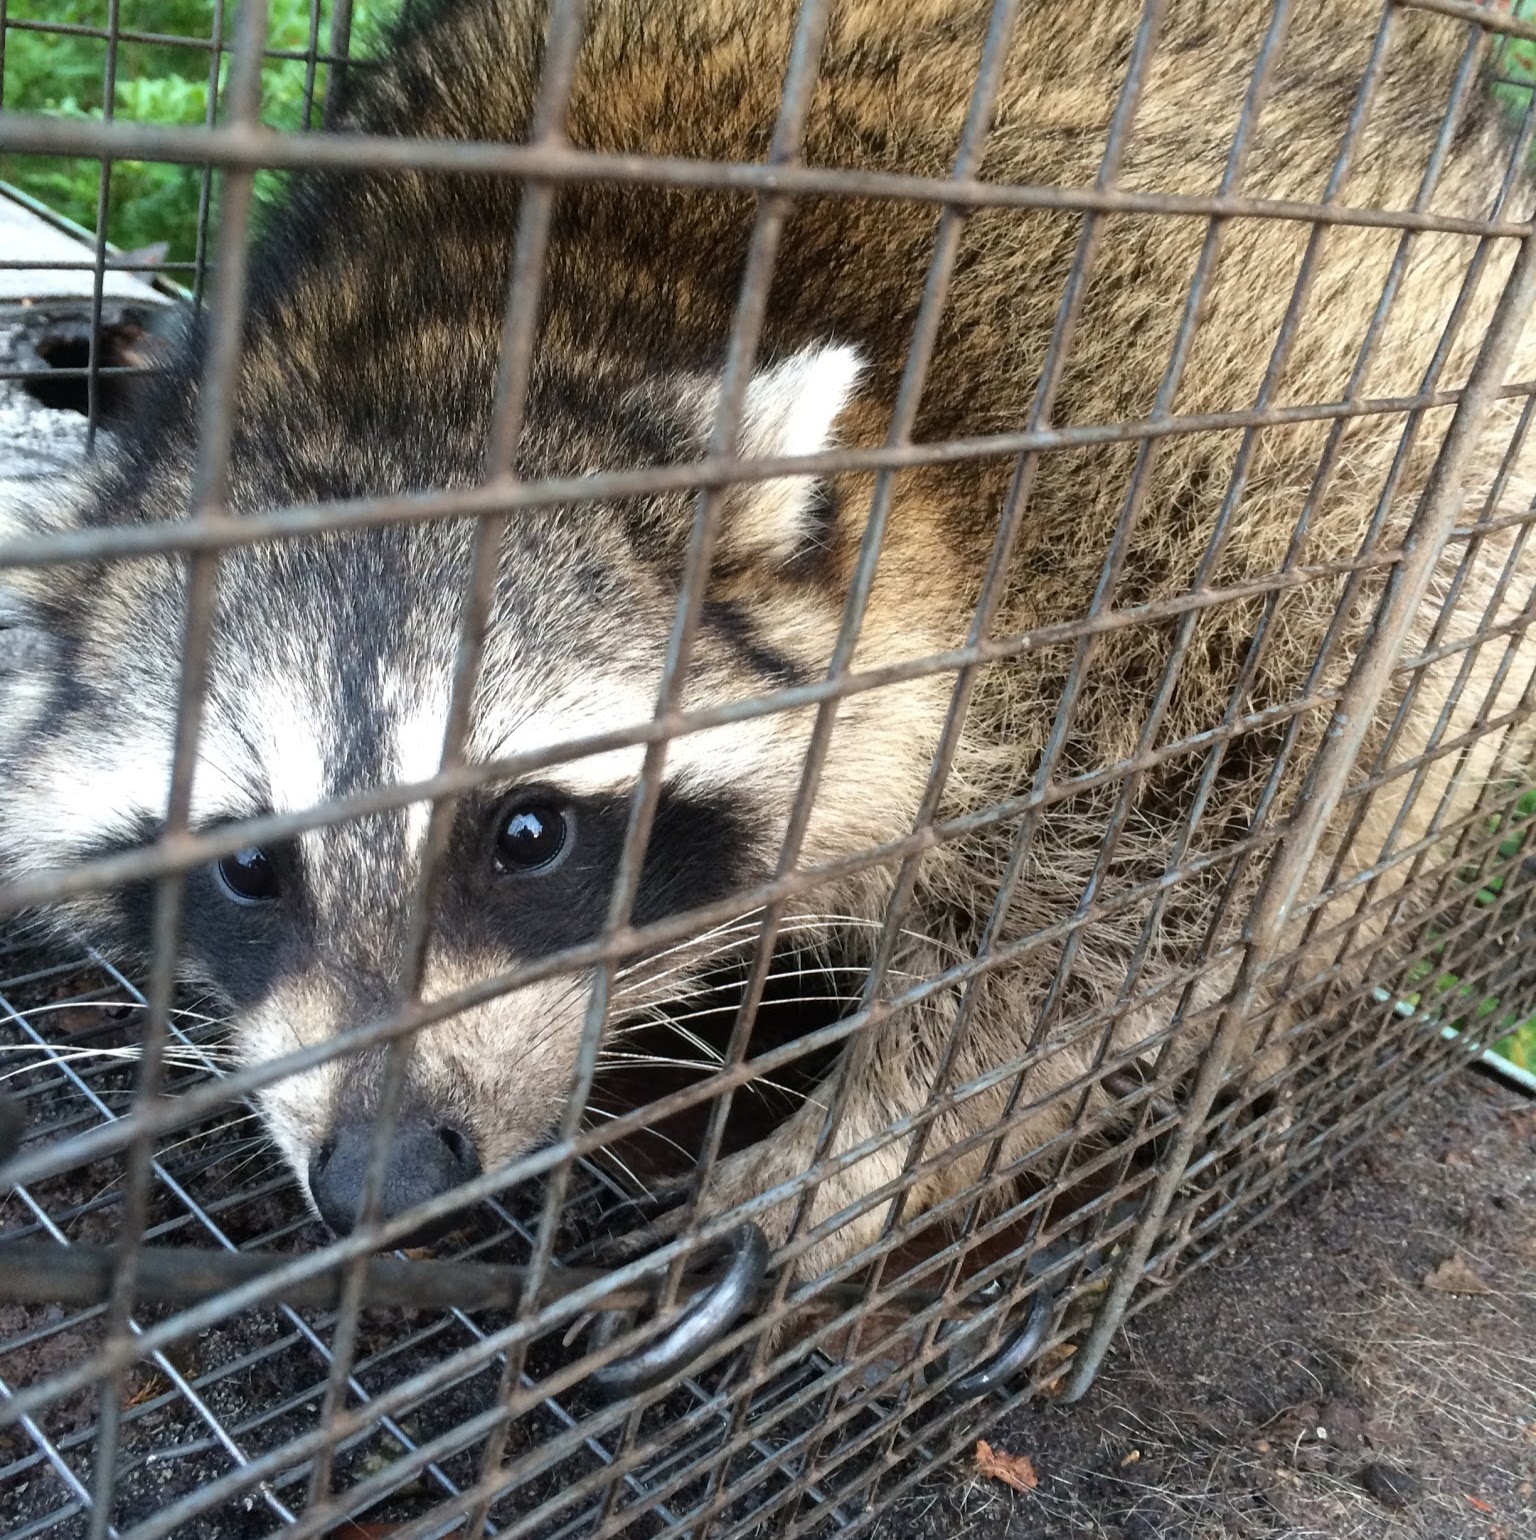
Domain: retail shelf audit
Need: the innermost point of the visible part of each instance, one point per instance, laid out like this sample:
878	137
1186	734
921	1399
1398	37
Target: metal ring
703	1323
1006	1362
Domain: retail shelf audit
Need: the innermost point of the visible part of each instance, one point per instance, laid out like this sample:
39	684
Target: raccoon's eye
532	834
248	876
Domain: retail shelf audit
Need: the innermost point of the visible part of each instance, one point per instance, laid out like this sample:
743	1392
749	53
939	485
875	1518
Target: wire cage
591	1346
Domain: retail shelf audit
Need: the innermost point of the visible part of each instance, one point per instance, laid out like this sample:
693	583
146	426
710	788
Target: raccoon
369	367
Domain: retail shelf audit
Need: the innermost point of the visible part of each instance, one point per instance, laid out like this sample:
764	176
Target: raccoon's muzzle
424	1160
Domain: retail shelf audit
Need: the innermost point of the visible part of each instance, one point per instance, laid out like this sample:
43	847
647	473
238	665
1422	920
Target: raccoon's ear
791	408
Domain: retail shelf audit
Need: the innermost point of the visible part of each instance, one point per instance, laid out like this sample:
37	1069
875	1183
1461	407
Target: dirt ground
1313	1384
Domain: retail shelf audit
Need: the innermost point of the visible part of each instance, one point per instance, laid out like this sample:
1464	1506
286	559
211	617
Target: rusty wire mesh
190	1398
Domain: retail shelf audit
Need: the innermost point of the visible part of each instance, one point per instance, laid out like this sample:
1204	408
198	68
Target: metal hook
1025	1343
1000	1368
699	1327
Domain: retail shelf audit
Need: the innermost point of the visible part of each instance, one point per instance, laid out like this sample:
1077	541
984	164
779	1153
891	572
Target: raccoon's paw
838	1222
837	1225
661	1215
633	1226
640	1225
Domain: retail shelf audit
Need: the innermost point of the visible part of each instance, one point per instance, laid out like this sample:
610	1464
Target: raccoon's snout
424	1160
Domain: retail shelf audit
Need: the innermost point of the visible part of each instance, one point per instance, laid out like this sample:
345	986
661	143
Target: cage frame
232	144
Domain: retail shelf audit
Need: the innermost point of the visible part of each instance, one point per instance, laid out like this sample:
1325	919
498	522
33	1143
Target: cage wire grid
288	1396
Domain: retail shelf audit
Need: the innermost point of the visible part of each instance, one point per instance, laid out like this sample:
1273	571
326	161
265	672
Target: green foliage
1514	65
65	75
1461	1005
1519	1045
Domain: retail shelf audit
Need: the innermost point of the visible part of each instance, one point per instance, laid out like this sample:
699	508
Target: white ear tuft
792	406
791	409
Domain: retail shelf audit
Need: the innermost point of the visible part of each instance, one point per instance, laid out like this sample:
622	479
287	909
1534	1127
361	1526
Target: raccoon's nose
423	1161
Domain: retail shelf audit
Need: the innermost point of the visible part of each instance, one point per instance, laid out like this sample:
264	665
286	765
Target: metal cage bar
1314	990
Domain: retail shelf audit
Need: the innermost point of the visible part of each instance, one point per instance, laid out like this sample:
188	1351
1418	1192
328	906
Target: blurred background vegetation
152	205
156	82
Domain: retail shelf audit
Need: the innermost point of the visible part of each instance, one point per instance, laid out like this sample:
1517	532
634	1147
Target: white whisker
206	1133
53	1053
613	1160
665	1020
652	1133
265	1147
722	940
653	1060
178	1012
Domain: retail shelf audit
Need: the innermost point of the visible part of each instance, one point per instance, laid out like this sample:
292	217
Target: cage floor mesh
212	1405
244	1389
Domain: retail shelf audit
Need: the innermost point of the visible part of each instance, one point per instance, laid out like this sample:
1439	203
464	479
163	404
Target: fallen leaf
1453	1276
1013	1470
146	1390
71	1019
1478	1503
1054	1358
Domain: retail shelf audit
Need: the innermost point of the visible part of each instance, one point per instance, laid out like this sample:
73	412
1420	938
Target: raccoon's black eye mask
528	871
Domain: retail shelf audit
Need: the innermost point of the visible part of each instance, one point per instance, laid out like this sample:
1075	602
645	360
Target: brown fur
642	284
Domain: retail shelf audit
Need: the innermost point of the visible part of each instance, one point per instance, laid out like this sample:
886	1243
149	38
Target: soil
1313	1383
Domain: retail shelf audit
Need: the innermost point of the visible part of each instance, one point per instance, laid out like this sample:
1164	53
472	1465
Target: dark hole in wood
67	349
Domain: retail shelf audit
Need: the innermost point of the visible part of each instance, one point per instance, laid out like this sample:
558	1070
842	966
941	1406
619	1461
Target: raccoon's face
329	674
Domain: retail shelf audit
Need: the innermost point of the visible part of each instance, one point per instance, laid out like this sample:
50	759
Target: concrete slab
24	237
